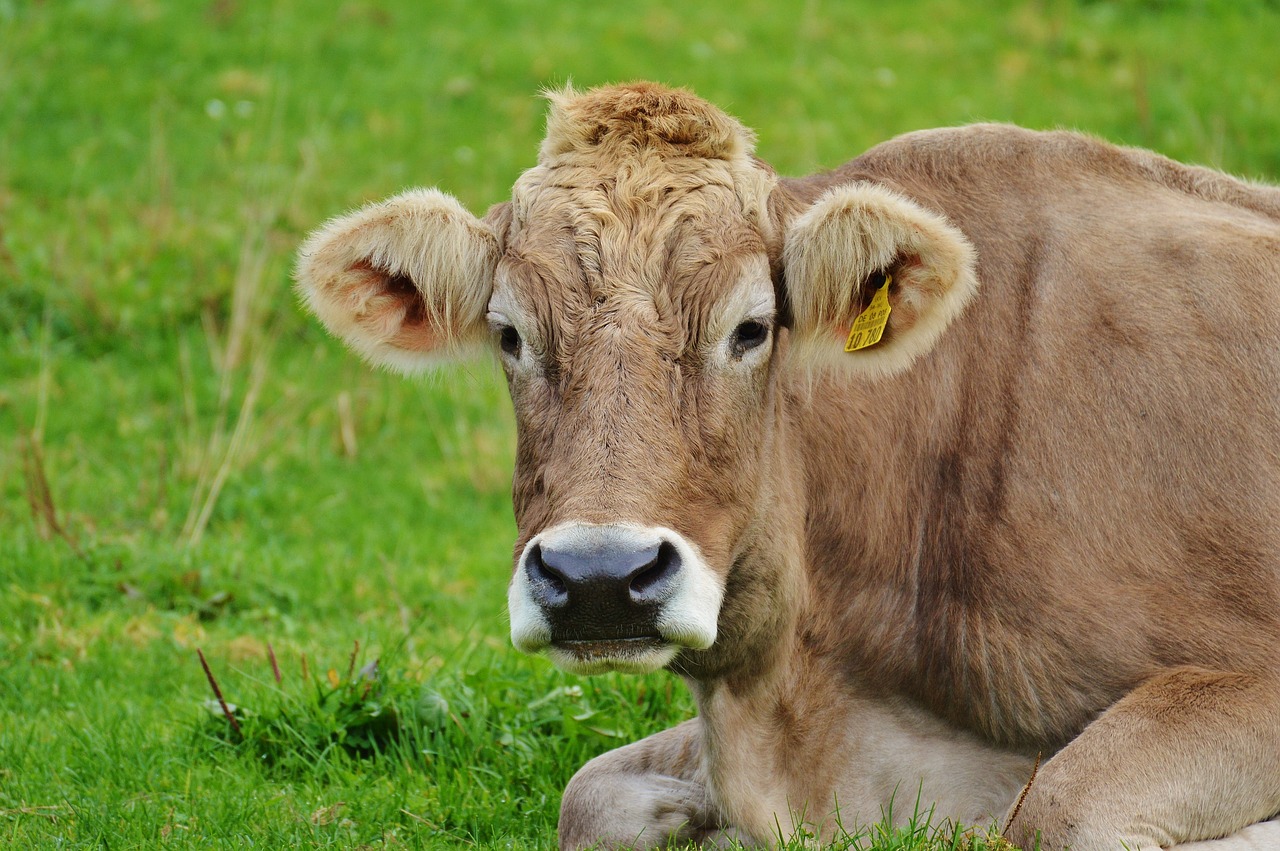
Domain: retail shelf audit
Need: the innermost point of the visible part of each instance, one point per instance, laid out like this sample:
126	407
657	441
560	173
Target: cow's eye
749	335
509	340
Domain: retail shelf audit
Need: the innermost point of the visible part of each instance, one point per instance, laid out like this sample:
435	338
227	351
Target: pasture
189	464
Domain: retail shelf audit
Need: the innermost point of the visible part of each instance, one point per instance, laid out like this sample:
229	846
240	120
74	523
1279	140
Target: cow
965	452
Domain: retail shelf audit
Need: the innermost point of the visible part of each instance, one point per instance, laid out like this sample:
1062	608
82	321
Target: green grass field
187	462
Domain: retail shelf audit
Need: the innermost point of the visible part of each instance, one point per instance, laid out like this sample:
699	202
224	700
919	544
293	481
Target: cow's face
631	290
634	312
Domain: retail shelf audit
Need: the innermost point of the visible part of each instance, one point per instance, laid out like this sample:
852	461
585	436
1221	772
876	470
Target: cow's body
1038	518
1079	486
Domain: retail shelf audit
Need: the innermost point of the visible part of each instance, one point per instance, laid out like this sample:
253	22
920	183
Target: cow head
647	289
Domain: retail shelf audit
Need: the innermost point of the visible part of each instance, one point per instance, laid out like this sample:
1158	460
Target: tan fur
1040	519
643	135
621	121
852	232
349	272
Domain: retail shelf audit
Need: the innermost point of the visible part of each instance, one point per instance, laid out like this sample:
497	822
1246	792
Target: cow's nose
601	589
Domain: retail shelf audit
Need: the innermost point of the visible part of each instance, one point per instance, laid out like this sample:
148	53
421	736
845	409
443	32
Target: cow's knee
607	806
1179	759
646	795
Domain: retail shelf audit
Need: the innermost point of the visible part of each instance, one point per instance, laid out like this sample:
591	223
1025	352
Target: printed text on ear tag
868	328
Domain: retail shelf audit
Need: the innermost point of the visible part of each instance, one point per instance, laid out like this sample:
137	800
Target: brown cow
1038	515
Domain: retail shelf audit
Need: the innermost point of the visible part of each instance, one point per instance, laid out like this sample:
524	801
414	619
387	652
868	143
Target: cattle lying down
965	451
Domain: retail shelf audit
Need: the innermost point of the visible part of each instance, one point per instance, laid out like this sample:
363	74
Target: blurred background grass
187	461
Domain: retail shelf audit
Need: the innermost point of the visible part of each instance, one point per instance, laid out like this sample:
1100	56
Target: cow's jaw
613	597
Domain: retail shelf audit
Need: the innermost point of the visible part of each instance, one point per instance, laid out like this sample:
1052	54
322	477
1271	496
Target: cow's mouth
610	646
638	654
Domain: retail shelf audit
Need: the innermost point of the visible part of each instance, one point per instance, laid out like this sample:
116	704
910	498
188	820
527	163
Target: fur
402	281
1037	518
842	239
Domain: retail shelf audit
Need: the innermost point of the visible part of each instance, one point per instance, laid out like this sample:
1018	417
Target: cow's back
1079	485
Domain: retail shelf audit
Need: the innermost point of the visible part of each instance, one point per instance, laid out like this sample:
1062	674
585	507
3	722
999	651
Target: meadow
187	463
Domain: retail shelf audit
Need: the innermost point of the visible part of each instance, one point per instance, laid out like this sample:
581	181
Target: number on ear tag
868	328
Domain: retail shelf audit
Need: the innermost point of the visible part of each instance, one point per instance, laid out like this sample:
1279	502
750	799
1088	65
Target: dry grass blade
38	492
49	811
245	341
346	425
1022	796
234	452
275	666
351	665
40	496
327	814
217	692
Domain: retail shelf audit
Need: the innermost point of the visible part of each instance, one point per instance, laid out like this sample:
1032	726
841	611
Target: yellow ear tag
868	328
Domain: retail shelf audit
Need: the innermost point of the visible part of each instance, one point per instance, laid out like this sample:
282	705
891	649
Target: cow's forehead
647	220
658	242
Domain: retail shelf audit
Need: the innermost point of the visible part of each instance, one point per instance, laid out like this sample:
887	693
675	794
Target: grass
188	463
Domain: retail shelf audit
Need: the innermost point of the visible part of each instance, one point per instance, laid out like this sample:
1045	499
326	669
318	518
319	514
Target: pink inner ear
394	302
416	338
415	332
403	289
910	272
905	272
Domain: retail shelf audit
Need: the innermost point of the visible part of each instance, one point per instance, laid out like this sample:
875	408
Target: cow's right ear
402	281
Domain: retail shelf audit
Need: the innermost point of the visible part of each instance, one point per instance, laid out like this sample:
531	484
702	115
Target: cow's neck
801	746
768	743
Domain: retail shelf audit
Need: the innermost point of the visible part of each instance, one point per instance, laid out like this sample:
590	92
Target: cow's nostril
603	583
652	578
540	571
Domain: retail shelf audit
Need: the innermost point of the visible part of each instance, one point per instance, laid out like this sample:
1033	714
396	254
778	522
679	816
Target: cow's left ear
837	255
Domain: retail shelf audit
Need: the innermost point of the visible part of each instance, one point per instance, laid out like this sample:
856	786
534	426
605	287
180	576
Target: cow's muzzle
612	597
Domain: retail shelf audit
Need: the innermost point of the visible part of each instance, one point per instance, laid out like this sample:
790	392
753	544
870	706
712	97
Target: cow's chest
931	632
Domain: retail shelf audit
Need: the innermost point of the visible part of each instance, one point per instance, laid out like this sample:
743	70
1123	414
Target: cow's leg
644	795
1189	755
1264	836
